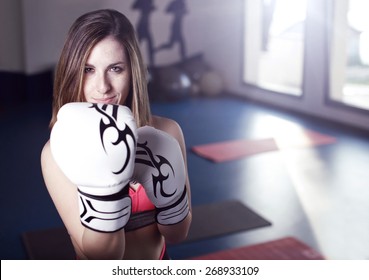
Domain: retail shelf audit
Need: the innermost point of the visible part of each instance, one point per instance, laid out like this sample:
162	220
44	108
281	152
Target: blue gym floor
319	195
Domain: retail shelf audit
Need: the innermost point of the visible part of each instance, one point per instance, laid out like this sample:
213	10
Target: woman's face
107	74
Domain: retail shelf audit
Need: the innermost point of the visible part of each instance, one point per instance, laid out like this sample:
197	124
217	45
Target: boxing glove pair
99	148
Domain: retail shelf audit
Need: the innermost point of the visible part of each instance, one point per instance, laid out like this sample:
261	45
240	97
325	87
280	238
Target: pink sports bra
140	201
143	211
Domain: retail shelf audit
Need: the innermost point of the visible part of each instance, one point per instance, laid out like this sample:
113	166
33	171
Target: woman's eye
116	69
88	69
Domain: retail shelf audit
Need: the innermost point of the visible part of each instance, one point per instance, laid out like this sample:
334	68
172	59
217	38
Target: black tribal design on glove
157	164
122	134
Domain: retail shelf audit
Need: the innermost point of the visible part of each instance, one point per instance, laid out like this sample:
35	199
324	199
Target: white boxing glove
160	169
95	145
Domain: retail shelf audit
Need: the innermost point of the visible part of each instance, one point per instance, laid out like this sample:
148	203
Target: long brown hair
83	35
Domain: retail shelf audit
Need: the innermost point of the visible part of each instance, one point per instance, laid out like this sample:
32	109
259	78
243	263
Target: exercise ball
211	83
175	83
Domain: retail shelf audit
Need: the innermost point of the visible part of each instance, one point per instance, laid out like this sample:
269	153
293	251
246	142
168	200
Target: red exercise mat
287	248
237	149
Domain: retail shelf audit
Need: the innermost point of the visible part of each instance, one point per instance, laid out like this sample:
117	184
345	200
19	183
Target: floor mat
209	220
237	149
221	218
287	248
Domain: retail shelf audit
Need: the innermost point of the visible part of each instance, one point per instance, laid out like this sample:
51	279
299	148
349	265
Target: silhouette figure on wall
146	7
178	9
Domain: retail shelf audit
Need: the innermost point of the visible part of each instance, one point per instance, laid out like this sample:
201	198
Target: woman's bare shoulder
169	126
52	174
45	155
48	167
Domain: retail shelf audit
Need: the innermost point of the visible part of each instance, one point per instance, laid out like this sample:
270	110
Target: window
349	74
313	57
274	48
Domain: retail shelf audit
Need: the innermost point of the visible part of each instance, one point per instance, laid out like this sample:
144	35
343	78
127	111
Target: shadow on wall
176	8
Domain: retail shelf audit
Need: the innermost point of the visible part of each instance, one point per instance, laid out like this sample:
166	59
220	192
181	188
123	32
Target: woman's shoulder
172	128
45	153
50	170
169	126
47	163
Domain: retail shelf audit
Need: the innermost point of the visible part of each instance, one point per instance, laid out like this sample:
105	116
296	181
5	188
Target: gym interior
294	93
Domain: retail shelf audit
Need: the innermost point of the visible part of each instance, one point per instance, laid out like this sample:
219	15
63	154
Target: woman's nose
103	84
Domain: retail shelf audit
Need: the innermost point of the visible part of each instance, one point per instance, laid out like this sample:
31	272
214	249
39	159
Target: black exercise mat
208	221
221	218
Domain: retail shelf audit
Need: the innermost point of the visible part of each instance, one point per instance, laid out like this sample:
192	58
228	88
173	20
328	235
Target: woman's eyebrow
110	65
117	63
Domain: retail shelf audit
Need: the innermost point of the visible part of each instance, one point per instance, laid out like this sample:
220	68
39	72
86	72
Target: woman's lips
107	100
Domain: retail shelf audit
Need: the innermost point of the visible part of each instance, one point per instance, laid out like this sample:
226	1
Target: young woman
101	63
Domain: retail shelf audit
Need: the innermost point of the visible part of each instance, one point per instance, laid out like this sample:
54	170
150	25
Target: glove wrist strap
175	213
105	213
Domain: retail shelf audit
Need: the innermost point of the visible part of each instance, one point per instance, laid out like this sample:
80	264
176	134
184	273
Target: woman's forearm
99	245
177	232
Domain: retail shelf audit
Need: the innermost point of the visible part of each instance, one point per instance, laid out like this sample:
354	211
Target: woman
101	63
